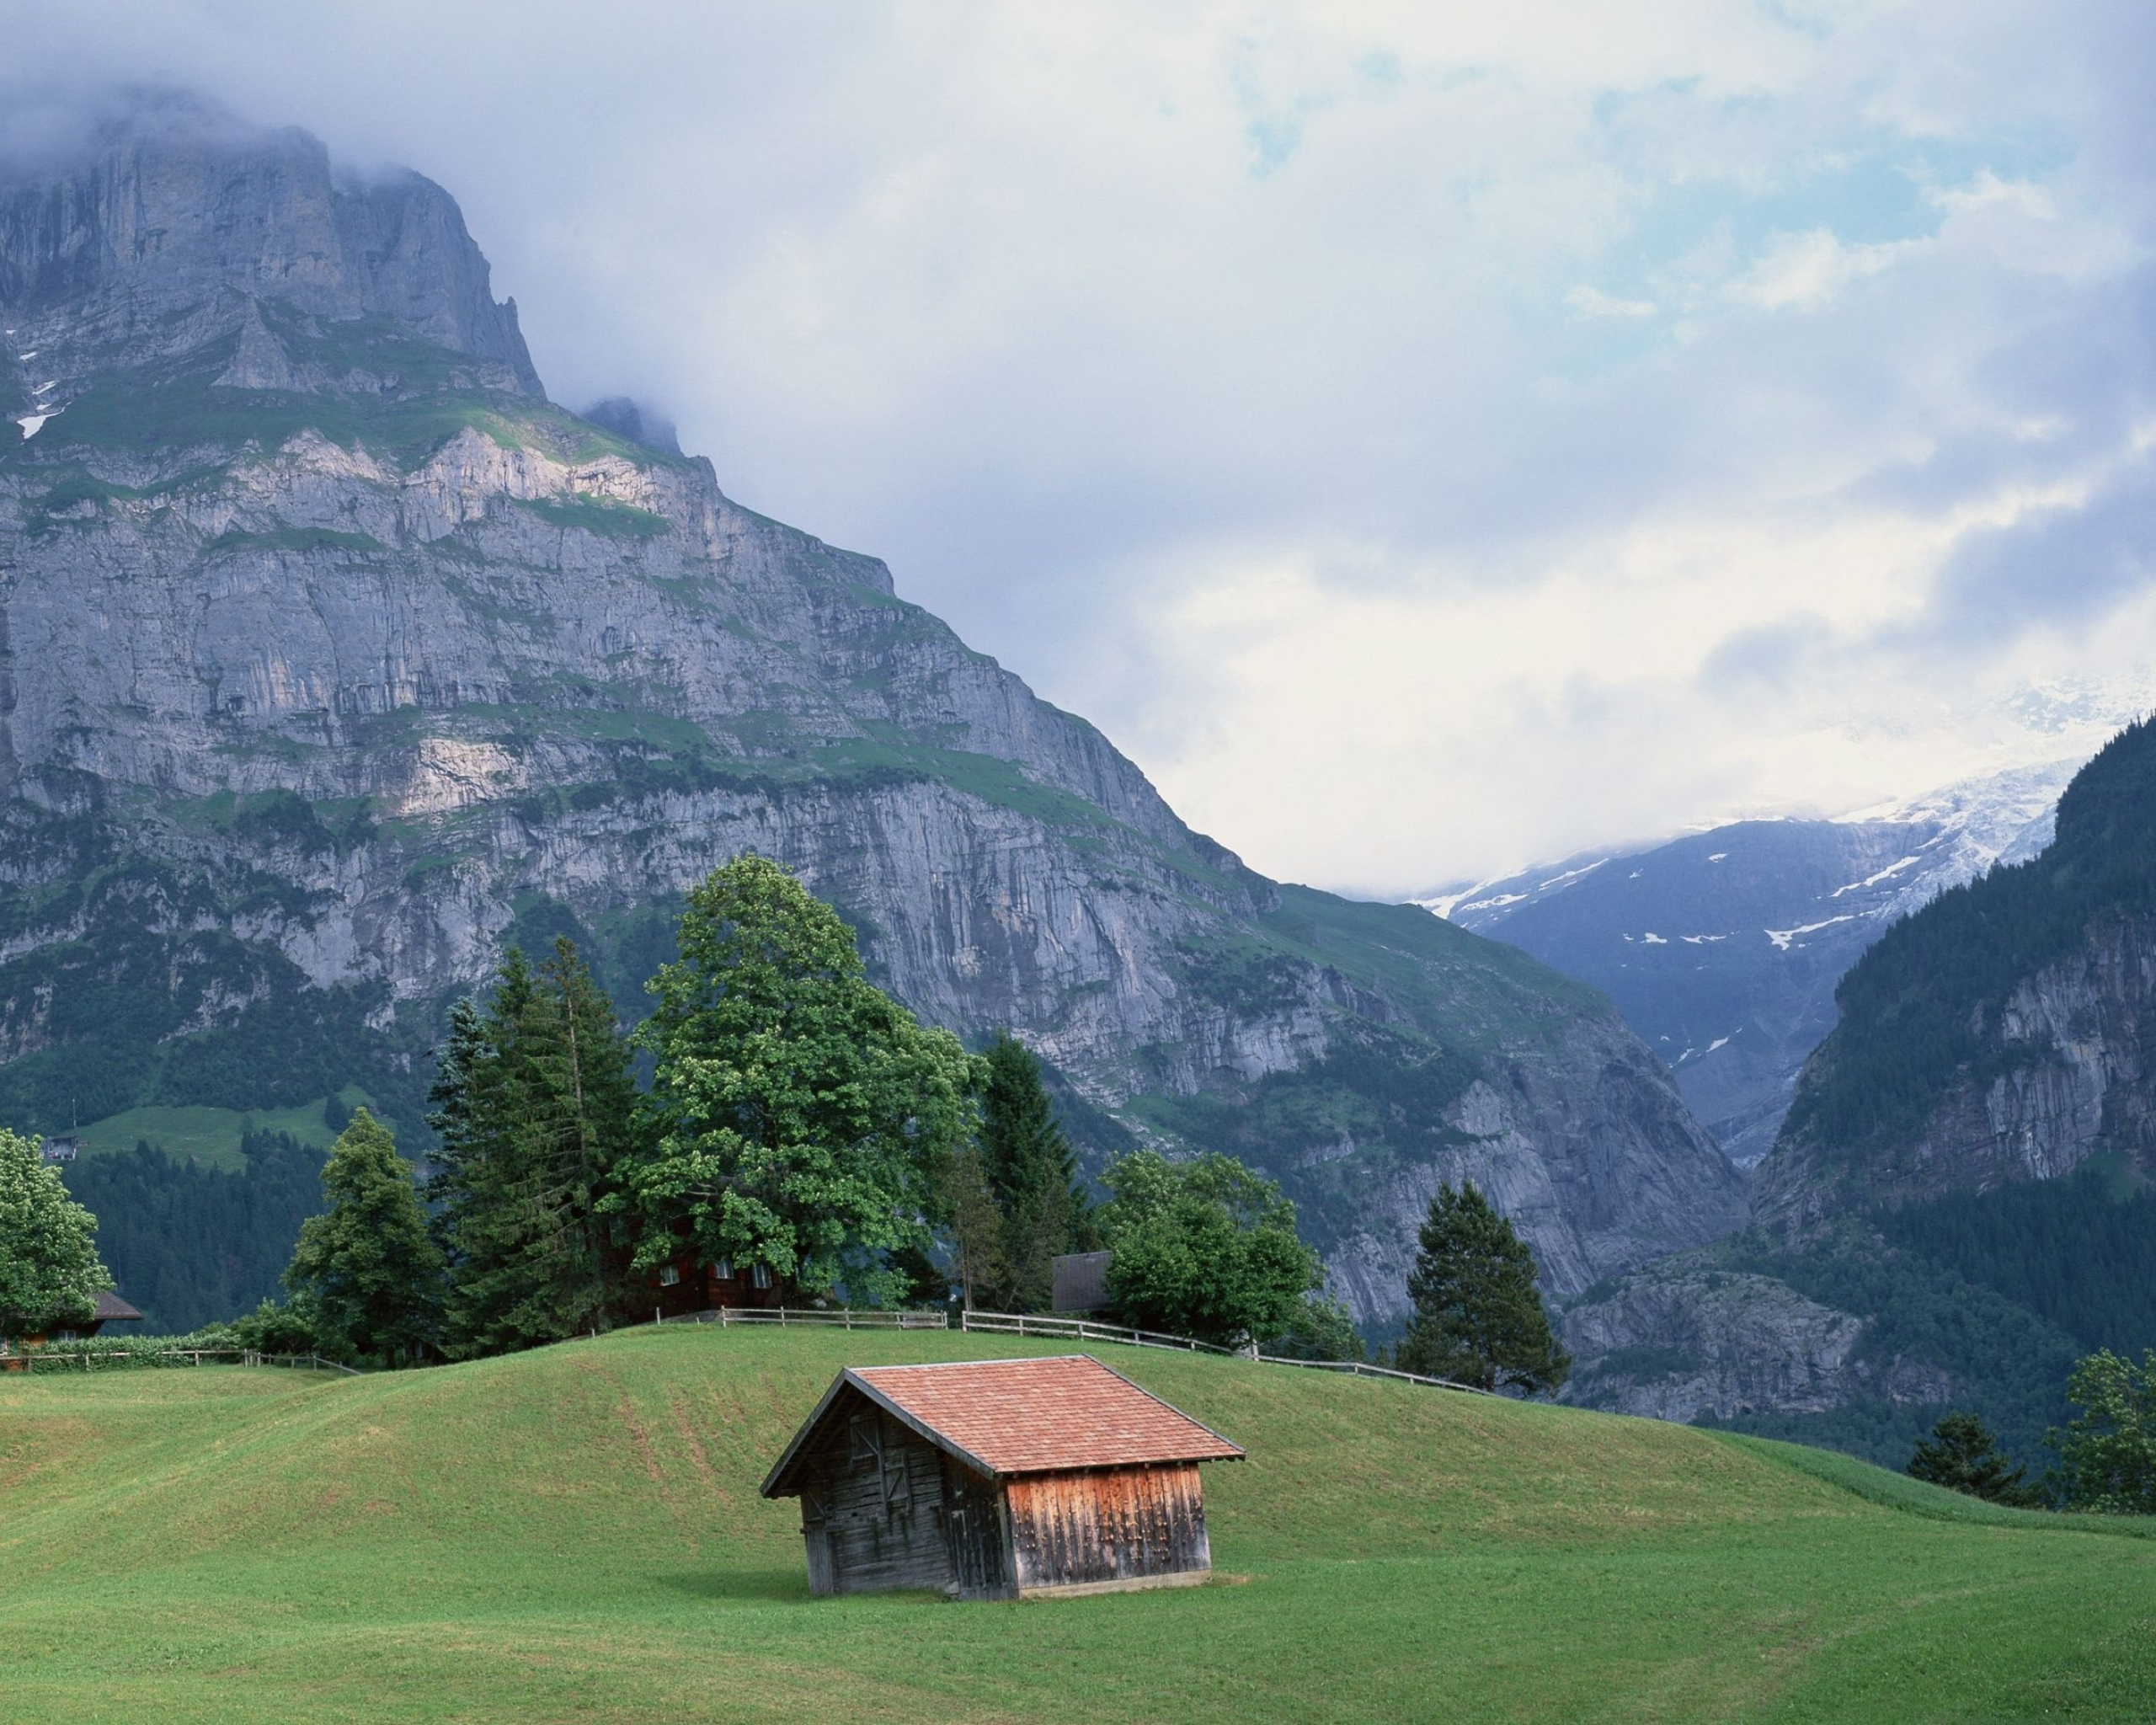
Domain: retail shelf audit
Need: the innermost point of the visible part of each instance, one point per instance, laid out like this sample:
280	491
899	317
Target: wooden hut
110	1309
1080	1281
686	1284
999	1479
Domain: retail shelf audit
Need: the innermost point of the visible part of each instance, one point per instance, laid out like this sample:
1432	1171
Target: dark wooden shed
1080	1281
999	1479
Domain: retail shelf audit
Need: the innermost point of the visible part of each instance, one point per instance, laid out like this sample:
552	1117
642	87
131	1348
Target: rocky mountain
333	656
1723	948
1952	1202
2005	1033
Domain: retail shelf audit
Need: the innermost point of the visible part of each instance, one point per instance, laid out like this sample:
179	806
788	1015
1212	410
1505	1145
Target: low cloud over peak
1424	439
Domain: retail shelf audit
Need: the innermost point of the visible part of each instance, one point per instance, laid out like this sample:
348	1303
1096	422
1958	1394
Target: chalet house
110	1309
64	1148
999	1479
685	1285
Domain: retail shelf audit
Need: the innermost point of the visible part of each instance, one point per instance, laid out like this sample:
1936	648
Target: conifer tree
369	1267
534	1105
49	1276
1478	1318
977	1231
1032	1174
1962	1455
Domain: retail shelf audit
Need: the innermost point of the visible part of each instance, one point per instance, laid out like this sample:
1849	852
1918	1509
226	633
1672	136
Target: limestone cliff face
2068	1057
160	233
332	657
1676	1341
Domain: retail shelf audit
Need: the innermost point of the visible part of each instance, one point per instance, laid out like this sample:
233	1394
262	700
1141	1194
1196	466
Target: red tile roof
1004	1417
1041	1416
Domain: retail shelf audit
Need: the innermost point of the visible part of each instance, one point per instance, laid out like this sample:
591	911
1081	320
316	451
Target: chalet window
759	1275
669	1274
724	1269
862	1448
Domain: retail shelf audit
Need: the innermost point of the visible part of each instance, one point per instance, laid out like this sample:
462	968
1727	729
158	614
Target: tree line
800	1122
797	1122
193	1244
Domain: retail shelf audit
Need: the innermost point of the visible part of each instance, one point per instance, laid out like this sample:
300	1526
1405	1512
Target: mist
1425	438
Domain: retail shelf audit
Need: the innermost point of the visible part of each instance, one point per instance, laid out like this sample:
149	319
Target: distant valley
1722	948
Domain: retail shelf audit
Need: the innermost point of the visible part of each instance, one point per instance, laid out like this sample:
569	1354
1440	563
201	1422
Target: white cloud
1802	271
1593	303
1426	436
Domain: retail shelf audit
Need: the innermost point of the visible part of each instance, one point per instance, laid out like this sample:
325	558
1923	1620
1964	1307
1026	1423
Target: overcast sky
1427	439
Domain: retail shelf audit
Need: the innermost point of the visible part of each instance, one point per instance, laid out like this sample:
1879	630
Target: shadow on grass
789	1585
785	1587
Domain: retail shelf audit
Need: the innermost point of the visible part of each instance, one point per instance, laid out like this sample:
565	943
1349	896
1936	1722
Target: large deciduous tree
49	1276
1205	1248
535	1107
2107	1454
800	1117
368	1267
1478	1317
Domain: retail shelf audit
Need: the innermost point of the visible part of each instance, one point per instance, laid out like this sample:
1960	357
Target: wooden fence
1006	1324
62	1357
843	1316
1079	1329
1355	1367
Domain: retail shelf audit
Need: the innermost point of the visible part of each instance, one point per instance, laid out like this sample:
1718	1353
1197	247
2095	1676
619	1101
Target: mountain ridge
333	656
1723	948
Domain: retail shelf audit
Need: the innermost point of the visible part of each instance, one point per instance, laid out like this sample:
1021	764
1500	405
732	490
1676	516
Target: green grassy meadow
210	1135
575	1534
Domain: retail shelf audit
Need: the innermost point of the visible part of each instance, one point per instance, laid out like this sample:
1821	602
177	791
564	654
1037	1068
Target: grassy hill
576	1534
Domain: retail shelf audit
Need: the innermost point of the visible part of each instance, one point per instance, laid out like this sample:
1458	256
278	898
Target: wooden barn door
972	1525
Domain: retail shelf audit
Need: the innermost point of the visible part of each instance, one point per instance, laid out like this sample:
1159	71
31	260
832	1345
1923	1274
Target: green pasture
212	1135
575	1534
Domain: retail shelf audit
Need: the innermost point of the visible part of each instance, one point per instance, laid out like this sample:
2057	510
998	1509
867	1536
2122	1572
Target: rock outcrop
2003	1033
2068	1068
332	657
1678	1340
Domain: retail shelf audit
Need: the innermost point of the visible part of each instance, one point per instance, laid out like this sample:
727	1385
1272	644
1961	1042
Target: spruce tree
1478	1318
534	1105
369	1267
50	1276
977	1232
1032	1173
1962	1455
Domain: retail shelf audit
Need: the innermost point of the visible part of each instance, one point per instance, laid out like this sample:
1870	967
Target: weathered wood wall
1111	1525
881	1506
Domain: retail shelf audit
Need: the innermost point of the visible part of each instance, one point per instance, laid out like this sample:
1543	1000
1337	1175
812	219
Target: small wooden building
110	1309
1081	1281
999	1479
687	1284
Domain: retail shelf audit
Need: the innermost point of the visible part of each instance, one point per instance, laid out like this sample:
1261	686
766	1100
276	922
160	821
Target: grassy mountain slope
577	1534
